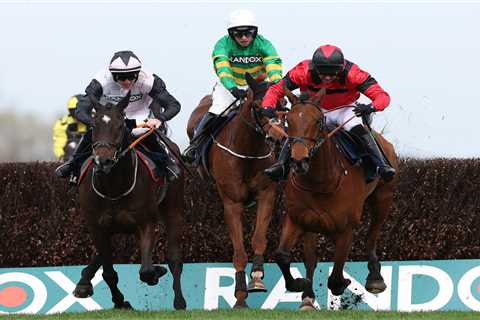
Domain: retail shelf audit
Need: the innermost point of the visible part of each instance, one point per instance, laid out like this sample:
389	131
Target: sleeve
164	106
276	92
83	113
368	86
221	64
59	138
272	62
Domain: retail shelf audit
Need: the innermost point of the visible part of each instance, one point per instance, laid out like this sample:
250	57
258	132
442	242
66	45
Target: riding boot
385	171
279	170
72	166
191	152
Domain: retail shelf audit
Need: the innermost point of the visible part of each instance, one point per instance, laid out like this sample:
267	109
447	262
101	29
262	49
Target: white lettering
405	280
39	290
213	290
465	289
68	286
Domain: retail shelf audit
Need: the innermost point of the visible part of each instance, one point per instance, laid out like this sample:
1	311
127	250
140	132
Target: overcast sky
425	54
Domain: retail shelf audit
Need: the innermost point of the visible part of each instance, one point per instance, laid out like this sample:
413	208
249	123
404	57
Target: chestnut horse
236	162
325	193
119	196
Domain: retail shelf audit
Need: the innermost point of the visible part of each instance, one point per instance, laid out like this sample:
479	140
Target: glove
363	109
238	93
268	112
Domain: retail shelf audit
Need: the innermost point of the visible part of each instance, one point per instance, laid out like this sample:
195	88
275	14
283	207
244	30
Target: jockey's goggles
132	76
241	33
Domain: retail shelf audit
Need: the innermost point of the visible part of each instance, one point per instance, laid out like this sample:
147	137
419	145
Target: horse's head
306	129
109	133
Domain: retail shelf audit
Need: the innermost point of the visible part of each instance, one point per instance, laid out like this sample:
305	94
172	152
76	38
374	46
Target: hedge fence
435	216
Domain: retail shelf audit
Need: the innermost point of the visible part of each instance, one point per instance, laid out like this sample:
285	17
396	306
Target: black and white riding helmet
124	62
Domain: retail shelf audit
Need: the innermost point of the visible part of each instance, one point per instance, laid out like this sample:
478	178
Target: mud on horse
326	194
119	196
236	163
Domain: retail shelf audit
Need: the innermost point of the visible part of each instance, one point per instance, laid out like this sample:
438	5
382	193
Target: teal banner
411	286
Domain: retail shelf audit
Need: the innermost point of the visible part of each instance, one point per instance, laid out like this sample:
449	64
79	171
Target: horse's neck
242	136
120	177
325	164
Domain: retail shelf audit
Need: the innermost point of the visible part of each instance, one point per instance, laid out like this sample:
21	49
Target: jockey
67	131
150	104
242	50
344	82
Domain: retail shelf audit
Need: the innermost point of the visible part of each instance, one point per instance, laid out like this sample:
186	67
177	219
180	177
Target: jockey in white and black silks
242	50
150	104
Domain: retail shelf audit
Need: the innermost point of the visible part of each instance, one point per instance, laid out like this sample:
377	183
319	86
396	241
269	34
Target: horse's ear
291	97
252	84
319	95
93	100
124	102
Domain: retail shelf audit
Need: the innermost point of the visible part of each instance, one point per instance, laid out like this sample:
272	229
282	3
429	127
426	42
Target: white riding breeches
222	98
339	116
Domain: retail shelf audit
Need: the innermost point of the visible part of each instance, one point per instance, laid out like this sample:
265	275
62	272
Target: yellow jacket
66	130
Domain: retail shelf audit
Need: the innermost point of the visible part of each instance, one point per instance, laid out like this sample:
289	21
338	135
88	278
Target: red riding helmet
327	59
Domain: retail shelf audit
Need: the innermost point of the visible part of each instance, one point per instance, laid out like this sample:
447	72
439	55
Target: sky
423	53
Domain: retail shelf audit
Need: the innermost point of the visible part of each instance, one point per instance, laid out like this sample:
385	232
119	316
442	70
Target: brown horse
236	163
118	196
326	194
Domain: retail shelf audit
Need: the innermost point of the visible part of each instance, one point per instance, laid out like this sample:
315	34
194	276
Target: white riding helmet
124	61
242	18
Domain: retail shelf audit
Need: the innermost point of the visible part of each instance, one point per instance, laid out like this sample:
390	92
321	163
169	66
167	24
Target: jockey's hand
268	112
363	109
153	123
238	93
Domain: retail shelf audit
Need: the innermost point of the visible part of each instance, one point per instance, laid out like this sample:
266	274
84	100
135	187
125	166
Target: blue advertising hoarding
411	286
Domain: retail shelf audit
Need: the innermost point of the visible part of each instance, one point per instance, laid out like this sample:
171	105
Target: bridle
318	140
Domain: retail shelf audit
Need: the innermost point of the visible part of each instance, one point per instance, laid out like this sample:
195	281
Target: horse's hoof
240	305
338	288
298	285
83	291
179	303
159	270
125	305
256	285
375	286
307	304
149	277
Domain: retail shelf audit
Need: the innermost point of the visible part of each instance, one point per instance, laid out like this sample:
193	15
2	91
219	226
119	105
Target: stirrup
277	172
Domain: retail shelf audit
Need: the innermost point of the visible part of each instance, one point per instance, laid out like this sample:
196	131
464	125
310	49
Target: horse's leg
310	261
381	201
102	242
174	225
265	201
233	212
148	273
84	288
291	232
336	282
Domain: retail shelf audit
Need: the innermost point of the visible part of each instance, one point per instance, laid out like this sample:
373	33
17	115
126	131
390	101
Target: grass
250	314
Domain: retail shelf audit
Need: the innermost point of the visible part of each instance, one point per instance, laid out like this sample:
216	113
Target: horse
236	161
118	195
325	193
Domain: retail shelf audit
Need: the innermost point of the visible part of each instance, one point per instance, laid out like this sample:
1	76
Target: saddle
204	148
352	147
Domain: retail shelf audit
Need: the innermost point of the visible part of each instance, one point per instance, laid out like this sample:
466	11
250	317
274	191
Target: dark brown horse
326	194
236	163
118	196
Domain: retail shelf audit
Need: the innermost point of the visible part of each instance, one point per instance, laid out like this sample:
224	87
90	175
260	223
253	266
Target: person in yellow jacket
67	131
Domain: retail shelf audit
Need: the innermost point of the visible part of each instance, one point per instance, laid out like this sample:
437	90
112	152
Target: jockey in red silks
344	81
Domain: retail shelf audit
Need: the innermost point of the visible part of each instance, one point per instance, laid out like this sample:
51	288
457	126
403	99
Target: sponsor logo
116	99
411	286
246	60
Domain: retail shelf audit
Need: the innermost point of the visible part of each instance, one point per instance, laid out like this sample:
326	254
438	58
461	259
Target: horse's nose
301	166
104	164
